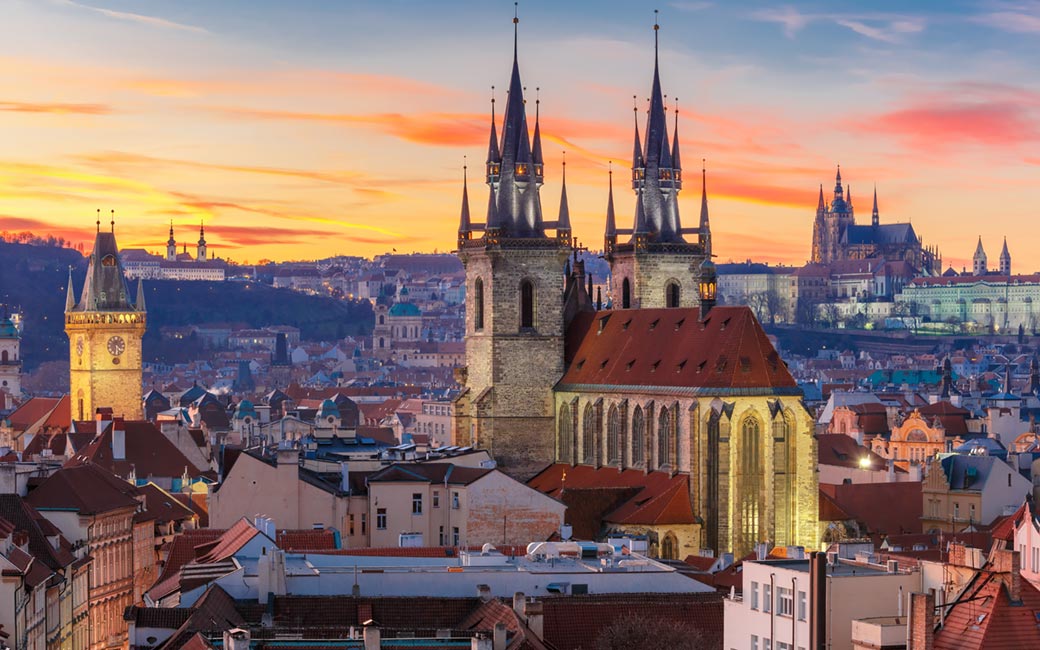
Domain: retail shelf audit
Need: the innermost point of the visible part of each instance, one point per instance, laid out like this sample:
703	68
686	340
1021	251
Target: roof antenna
516	21
99	219
656	28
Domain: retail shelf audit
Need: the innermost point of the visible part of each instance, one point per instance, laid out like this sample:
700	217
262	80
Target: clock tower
105	330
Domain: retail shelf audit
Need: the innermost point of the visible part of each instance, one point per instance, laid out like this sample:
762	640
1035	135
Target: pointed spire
1004	252
637	149
875	219
202	233
564	222
70	295
821	206
536	147
492	209
1007	378
978	249
464	220
140	295
705	227
676	164
848	196
494	155
838	191
611	228
171	231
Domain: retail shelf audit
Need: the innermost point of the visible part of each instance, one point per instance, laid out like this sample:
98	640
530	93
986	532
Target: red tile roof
891	508
842	450
306	540
673	348
659	497
162	505
575	622
988	619
148	452
87	489
229	543
34	410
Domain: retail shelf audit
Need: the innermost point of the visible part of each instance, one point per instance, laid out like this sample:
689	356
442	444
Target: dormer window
537	170
521	169
108	260
665	174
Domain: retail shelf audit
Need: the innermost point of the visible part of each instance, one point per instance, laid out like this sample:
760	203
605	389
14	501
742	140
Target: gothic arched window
664	438
526	304
750	482
671	296
626	294
589	435
615	436
478	304
638	437
670	547
566	454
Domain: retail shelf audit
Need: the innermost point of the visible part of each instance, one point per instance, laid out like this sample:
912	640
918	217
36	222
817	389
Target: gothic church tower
514	300
105	330
656	267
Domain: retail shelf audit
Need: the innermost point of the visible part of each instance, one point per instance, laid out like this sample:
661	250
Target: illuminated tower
656	267
514	301
200	254
105	330
171	246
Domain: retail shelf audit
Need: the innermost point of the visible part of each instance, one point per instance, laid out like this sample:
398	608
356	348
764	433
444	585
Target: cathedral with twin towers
663	388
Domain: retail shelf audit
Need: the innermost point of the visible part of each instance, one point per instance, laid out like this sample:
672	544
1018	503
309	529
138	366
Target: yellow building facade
105	330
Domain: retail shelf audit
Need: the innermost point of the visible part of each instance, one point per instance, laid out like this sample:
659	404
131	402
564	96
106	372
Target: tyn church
681	412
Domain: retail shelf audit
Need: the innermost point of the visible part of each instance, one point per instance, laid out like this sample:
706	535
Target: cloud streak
55	108
140	19
887	28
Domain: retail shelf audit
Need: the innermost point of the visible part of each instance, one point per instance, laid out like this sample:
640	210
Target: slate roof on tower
105	288
675	349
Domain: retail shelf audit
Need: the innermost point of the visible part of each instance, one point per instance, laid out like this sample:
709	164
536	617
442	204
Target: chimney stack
118	439
236	639
372	637
500	639
922	622
1006	561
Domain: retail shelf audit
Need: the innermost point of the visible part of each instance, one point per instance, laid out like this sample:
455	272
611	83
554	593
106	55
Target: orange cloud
55	108
933	127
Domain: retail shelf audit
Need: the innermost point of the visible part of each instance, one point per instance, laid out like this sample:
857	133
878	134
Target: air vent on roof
700	366
653	325
720	363
680	366
653	366
603	323
679	324
604	364
628	366
580	364
704	323
724	324
745	364
624	326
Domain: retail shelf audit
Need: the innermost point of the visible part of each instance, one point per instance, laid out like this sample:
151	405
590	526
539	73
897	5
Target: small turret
171	245
465	225
978	260
563	223
139	303
875	219
70	295
610	232
705	227
200	254
1005	260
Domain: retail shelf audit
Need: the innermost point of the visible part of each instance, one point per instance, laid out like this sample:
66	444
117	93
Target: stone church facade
663	392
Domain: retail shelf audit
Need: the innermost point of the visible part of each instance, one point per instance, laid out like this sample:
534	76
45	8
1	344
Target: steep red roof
229	543
162	505
306	540
890	508
87	489
33	410
841	450
953	418
674	348
651	499
988	618
148	452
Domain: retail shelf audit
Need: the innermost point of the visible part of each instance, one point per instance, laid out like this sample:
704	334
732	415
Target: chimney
344	477
957	554
921	622
500	639
118	439
1009	562
818	600
484	593
480	641
372	637
535	618
236	639
518	602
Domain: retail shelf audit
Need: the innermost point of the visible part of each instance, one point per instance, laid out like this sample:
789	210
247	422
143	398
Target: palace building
662	416
105	329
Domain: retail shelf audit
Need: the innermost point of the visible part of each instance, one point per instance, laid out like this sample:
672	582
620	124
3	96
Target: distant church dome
8	329
404	309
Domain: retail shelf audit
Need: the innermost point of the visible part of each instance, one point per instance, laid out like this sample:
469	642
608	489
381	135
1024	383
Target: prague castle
678	413
105	329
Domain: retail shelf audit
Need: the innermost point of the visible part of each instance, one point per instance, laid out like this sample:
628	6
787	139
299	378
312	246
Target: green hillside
33	280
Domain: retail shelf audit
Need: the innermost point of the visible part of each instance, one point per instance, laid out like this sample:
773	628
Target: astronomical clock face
116	346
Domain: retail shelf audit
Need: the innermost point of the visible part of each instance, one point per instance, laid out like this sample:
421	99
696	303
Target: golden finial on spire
113	214
99	219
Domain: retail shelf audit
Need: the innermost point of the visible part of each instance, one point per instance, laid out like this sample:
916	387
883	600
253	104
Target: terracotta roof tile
87	489
673	348
890	508
990	619
148	453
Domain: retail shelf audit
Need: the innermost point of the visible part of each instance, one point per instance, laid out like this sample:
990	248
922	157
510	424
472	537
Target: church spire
536	147
821	206
637	150
139	304
563	224
171	239
676	164
610	232
70	295
465	225
705	227
837	184
494	156
875	219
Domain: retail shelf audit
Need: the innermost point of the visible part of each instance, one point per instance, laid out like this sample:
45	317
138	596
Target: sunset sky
305	129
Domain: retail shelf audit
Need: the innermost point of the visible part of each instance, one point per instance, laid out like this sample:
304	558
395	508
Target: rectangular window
754	642
454	500
455	536
436	499
381	518
784	602
417	503
364	523
801	606
441	538
767	644
956	510
971	511
754	595
767	600
351	525
780	645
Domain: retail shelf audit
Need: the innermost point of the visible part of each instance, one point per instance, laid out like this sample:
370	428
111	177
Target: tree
632	632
